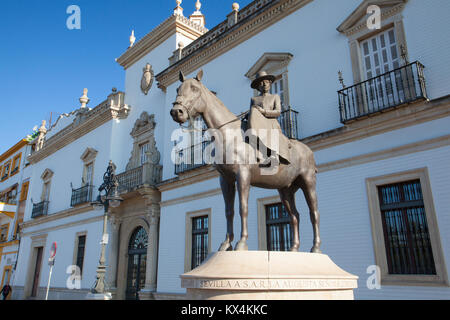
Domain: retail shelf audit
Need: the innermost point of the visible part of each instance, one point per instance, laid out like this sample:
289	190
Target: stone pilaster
113	253
152	216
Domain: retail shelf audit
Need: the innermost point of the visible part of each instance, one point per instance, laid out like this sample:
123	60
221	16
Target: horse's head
189	102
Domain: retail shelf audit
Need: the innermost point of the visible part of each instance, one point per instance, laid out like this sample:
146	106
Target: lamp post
110	198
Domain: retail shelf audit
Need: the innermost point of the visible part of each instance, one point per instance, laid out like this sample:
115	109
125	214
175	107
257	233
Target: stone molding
357	20
47	175
56	216
254	18
372	183
89	155
400	117
270	62
172	25
112	108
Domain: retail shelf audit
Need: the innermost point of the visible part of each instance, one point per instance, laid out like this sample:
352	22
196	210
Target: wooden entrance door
37	271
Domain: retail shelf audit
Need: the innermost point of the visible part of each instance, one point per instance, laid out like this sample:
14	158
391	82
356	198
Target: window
143	148
81	245
278	228
24	191
4	232
88	169
46	182
380	54
406	234
199	240
16	164
374	52
5	171
404	228
46	191
278	88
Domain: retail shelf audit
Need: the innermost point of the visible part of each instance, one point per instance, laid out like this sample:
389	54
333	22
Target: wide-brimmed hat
261	76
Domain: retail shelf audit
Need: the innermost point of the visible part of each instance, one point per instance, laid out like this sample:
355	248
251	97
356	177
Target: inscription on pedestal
280	284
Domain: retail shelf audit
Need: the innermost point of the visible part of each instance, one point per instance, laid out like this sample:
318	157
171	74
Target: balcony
81	195
192	157
39	209
384	92
149	174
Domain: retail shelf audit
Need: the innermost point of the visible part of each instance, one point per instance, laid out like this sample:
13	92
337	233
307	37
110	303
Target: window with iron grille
278	228
199	240
80	252
406	234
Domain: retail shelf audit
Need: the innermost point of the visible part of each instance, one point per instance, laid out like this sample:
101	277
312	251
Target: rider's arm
276	111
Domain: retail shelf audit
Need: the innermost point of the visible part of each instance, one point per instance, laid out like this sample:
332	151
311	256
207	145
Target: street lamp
110	198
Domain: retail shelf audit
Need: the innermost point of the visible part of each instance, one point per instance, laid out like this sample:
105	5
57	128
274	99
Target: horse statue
194	99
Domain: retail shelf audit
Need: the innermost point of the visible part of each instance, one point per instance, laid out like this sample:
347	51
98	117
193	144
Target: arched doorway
137	259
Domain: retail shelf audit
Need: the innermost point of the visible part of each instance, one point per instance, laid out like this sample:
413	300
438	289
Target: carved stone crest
147	79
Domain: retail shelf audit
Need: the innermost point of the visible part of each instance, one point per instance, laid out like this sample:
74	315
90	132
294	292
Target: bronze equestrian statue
299	172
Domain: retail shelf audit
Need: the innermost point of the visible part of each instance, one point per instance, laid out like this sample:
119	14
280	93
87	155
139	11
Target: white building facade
379	132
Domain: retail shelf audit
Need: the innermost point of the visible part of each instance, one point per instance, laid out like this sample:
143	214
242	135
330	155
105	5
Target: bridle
191	119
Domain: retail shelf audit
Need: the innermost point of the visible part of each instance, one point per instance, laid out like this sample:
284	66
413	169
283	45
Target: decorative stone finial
180	45
84	98
114	90
198	5
235	6
198	17
178	10
132	39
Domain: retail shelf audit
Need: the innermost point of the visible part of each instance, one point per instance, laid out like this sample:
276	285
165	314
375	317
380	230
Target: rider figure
264	111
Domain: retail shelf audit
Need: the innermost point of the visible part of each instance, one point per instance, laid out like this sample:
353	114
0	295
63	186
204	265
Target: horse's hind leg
229	192
288	199
309	190
243	184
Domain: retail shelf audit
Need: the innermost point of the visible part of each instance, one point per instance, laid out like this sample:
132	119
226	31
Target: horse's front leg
243	184
229	192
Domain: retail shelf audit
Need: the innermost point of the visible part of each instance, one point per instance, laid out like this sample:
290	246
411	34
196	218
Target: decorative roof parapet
173	24
85	121
251	20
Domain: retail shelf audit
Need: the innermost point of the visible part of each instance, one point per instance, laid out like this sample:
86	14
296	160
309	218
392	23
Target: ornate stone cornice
84	122
56	216
252	19
175	23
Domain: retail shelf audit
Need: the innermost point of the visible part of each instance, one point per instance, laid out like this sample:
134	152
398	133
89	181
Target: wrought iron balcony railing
81	195
147	173
130	179
39	209
192	157
391	89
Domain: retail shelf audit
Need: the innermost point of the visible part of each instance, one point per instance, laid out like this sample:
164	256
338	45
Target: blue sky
44	66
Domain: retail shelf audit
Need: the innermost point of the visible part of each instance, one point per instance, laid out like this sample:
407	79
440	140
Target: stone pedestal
268	275
99	296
